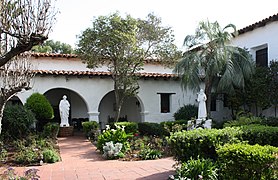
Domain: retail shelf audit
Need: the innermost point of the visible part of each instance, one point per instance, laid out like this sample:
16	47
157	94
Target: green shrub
196	169
243	120
270	121
153	129
148	153
50	156
247	161
40	106
186	112
3	152
91	129
130	127
27	155
89	126
51	130
260	134
174	126
201	142
117	135
17	121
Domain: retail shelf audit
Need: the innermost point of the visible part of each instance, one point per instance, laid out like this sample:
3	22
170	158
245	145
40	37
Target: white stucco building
90	92
261	40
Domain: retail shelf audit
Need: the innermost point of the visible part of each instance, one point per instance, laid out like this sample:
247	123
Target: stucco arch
131	109
79	106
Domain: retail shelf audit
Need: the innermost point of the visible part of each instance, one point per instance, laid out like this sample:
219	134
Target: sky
182	16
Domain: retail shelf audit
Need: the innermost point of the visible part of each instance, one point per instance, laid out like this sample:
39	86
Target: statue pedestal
65	131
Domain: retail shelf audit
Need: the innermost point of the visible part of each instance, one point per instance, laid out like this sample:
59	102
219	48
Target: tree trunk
208	94
2	107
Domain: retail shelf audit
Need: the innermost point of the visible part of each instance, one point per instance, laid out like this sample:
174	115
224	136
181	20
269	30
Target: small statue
64	108
202	110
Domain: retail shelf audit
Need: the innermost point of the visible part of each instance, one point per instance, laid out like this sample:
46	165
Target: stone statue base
199	123
65	131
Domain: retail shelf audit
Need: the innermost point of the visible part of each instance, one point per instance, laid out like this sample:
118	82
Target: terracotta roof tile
93	73
53	55
259	24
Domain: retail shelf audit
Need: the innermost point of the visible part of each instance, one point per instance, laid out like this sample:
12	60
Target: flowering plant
117	135
30	174
111	150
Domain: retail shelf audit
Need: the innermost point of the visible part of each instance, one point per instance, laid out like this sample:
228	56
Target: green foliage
40	106
153	129
89	126
243	120
201	142
117	135
247	161
50	156
51	46
270	121
3	152
174	126
130	127
51	130
260	134
187	112
27	155
17	121
148	153
123	43
273	85
30	149
223	67
196	169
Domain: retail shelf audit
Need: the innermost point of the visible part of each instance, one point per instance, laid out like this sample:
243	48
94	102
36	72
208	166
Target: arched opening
78	106
14	101
131	109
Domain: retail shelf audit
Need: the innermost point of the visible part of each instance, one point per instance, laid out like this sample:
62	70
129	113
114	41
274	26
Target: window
165	102
213	102
262	57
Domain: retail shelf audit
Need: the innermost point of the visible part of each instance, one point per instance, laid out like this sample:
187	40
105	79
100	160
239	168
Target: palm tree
211	60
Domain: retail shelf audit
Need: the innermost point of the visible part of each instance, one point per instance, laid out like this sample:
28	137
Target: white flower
107	127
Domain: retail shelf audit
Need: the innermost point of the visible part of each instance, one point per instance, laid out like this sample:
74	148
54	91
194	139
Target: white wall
266	35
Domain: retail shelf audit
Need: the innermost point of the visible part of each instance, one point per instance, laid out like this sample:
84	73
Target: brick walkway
81	161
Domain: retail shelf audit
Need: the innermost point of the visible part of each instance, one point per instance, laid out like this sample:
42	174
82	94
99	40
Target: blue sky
182	15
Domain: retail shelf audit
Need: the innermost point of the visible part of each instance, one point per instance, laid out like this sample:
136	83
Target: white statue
64	108
202	111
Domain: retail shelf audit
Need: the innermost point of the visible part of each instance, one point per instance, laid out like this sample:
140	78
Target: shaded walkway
81	161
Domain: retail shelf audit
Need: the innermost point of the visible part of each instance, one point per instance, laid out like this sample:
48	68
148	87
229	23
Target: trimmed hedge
130	127
243	121
40	106
270	121
17	121
89	126
260	134
186	112
201	143
174	126
246	161
153	129
51	130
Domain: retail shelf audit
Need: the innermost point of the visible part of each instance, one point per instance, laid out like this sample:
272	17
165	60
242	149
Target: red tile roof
53	55
259	24
93	73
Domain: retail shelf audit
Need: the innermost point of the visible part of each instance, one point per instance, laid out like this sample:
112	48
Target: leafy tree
211	60
122	44
24	24
51	46
274	85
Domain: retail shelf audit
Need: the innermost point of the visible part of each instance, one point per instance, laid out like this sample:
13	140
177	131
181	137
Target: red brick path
81	161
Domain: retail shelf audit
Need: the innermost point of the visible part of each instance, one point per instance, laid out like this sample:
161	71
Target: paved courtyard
80	160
